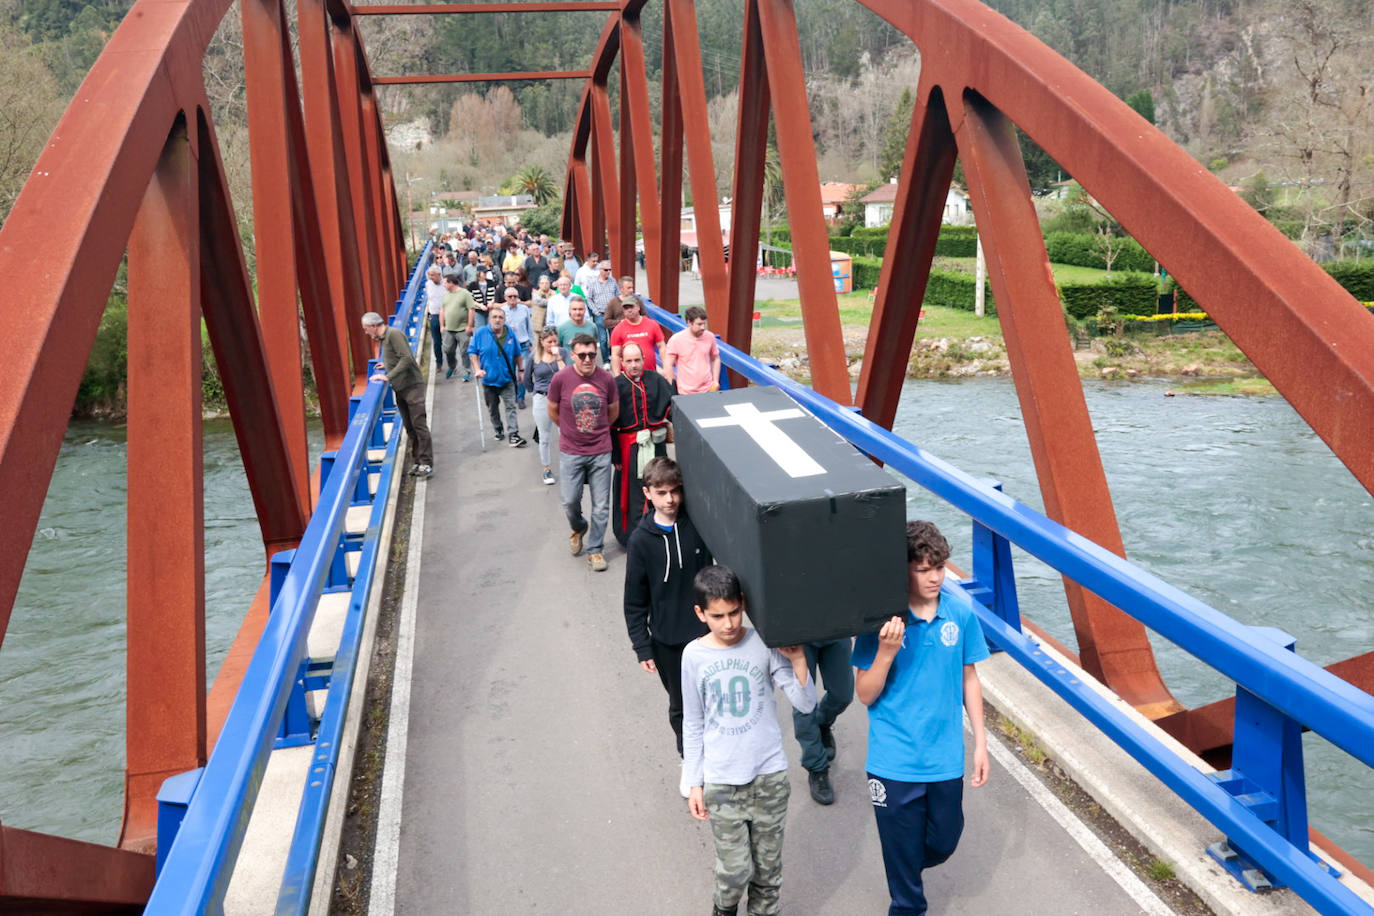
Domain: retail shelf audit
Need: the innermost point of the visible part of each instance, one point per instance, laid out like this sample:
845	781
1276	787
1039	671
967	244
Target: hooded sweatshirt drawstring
668	554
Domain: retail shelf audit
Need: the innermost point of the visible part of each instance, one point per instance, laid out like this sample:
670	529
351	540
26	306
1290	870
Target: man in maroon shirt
584	402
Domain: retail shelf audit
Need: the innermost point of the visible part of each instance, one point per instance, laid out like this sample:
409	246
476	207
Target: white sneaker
682	785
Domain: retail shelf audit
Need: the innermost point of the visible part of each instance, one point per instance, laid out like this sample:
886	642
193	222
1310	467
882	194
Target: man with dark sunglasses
584	402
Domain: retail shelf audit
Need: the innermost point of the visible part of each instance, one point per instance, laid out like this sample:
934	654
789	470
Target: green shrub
1073	218
867	271
957	242
955	290
870	232
1356	276
1129	294
1083	250
1184	302
102	384
1291	228
853	245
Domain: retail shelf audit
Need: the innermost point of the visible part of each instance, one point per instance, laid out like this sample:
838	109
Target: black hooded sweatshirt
659	569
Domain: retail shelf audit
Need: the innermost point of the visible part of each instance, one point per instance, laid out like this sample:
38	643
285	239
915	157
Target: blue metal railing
196	869
1269	676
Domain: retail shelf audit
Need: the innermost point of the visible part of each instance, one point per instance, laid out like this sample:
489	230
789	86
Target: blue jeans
438	340
520	377
603	337
832	659
919	824
594	471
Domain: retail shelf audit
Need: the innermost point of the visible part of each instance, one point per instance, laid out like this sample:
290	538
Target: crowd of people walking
572	343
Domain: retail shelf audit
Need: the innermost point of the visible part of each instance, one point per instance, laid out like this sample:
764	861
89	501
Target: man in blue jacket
497	362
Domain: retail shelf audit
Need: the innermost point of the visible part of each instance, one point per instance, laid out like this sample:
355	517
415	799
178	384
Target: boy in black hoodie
663	557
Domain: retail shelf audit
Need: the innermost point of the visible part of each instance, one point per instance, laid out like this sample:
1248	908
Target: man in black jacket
663	558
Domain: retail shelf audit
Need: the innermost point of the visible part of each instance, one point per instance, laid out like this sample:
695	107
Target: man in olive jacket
403	372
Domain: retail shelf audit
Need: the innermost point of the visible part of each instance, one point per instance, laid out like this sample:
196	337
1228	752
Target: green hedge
955	290
1082	250
1129	294
954	242
853	245
1356	276
867	271
957	242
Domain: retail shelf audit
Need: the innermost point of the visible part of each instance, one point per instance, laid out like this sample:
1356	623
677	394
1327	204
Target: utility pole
980	275
410	210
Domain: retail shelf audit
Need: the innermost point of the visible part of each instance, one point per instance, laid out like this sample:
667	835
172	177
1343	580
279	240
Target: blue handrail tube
1328	705
197	869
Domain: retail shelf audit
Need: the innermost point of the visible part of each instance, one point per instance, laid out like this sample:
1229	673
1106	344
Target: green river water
1232	499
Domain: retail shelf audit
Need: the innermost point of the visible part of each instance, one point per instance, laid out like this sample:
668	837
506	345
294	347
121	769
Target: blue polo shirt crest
915	727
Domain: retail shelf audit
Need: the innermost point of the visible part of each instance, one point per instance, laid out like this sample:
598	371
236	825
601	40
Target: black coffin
814	529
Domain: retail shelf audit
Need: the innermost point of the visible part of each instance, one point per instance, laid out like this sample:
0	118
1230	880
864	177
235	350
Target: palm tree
536	182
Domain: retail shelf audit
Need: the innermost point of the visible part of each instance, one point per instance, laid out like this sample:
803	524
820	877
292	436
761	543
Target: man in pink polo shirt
693	354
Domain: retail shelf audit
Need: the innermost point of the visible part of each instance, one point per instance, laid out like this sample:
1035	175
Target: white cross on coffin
776	444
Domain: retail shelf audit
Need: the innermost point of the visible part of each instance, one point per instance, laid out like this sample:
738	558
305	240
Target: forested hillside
1276	96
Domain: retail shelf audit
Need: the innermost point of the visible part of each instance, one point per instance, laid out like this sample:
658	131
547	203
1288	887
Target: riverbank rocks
944	357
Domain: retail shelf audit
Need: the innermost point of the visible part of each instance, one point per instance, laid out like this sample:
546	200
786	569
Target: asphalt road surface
540	770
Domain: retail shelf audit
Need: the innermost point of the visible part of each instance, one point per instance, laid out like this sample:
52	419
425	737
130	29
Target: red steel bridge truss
134	169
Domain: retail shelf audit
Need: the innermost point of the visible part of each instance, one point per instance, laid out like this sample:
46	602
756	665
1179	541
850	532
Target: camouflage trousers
746	824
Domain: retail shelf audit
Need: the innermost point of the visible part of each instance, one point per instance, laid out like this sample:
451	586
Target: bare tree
1324	116
29	108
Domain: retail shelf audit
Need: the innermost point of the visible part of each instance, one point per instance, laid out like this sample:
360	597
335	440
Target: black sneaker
500	436
821	790
828	741
720	911
516	441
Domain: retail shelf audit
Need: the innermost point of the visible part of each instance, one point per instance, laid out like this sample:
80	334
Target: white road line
1117	870
386	853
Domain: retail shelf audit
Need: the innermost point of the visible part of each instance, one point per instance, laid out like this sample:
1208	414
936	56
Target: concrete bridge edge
322	891
1159	820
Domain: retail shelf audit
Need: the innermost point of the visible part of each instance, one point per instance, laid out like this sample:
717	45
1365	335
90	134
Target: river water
1232	499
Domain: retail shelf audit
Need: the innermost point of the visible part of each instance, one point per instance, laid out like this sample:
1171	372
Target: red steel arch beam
1286	314
514	77
746	205
1299	327
534	6
636	127
927	167
1111	644
334	195
627	190
270	152
350	90
680	19
669	256
802	190
165	567
605	190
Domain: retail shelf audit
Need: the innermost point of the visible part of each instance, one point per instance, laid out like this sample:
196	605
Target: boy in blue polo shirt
916	676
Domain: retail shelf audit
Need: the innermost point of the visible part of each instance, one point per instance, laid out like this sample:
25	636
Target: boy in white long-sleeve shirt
733	758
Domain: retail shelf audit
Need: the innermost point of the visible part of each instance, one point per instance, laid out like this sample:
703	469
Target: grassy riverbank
951	343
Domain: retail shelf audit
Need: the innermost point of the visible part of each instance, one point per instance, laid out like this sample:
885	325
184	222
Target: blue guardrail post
1266	776
173	798
993	584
